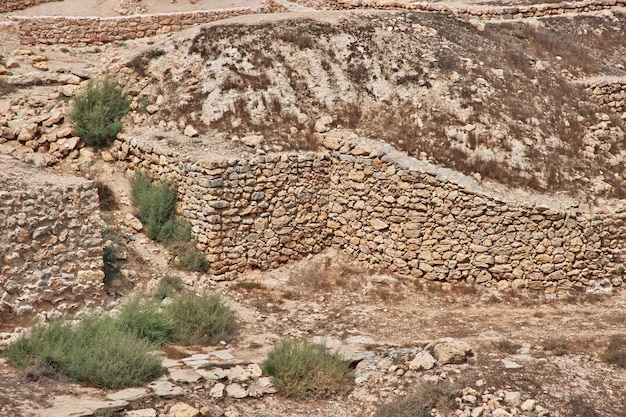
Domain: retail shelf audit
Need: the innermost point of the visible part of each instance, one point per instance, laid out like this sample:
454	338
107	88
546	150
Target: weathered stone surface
144	412
236	391
69	406
451	351
128	394
164	388
133	222
183	410
422	361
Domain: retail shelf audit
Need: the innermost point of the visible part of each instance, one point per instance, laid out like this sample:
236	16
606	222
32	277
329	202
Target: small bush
94	351
168	286
145	320
421	403
300	368
190	259
616	351
199	319
156	208
98	111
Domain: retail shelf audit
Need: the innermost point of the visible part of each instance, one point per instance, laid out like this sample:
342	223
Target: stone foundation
390	211
95	30
51	245
12	5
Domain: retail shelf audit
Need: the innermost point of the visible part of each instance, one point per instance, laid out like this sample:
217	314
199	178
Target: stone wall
12	5
86	30
50	242
487	12
388	210
610	93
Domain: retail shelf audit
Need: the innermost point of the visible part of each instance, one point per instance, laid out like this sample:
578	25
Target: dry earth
558	339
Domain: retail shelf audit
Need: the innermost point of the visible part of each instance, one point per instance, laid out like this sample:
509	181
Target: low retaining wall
488	12
12	5
50	243
610	93
390	211
86	30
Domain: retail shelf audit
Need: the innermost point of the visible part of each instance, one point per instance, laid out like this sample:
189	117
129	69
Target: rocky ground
522	353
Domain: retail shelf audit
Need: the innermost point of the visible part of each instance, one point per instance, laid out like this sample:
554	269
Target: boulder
449	351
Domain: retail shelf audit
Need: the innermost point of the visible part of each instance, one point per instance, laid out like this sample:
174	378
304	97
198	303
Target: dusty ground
558	338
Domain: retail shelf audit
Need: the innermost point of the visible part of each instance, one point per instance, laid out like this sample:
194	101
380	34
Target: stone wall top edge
14	170
145	16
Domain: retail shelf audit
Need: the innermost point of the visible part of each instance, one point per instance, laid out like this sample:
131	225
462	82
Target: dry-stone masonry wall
611	93
50	242
488	12
388	210
12	5
81	30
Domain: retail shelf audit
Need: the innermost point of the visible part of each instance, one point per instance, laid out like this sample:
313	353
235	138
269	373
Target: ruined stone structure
50	242
12	5
388	210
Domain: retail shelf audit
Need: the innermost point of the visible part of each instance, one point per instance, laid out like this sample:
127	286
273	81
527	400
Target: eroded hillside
507	100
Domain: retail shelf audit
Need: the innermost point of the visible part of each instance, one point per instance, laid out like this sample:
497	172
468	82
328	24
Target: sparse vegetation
506	346
615	352
146	320
188	258
300	368
168	286
98	111
95	351
200	319
422	402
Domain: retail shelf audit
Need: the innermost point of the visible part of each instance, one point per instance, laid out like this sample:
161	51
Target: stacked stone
410	221
89	30
50	235
488	13
610	93
12	5
386	209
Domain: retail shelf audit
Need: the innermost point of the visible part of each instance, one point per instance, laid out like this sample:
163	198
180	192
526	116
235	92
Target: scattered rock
81	72
183	375
217	391
509	364
321	126
236	391
422	361
163	388
451	351
252	140
144	412
190	131
133	222
183	410
128	394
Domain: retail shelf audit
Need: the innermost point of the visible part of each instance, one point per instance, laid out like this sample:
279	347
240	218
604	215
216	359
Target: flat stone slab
129	394
68	406
183	375
509	364
222	354
145	412
169	363
165	388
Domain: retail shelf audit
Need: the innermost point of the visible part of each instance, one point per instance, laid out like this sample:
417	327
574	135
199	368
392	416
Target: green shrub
168	286
98	111
146	320
300	368
156	208
188	258
199	319
94	351
421	403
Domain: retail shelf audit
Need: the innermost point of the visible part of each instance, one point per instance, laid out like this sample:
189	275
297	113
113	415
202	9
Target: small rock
23	52
500	412
452	351
144	412
183	410
153	108
236	391
27	132
55	117
217	391
65	132
321	126
190	131
11	63
81	72
237	374
509	364
40	65
512	397
528	405
38	58
3	70
378	224
133	222
254	370
423	360
252	140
